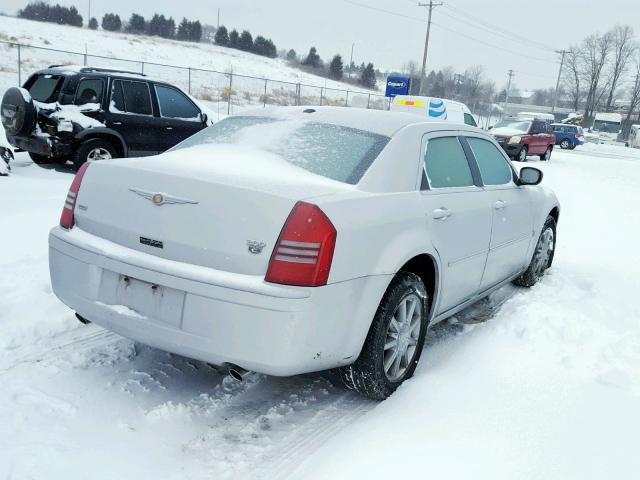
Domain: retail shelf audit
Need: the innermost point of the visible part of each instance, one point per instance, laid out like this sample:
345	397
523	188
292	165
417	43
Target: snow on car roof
381	122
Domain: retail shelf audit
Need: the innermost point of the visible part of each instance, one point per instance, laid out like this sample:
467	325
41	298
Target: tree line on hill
43	12
366	74
244	41
159	26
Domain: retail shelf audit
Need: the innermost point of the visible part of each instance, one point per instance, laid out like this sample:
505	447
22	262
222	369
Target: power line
494	27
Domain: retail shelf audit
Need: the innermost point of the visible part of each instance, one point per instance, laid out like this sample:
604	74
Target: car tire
368	375
17	112
43	159
92	150
565	144
547	154
572	147
542	255
522	154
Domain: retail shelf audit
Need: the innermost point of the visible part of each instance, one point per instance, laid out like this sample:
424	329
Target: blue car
568	136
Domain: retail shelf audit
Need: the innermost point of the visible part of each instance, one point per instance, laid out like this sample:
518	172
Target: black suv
84	113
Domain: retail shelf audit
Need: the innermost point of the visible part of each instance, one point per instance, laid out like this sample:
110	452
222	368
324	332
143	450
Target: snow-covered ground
546	387
204	85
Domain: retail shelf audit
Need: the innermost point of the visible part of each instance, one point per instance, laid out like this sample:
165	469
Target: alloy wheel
544	250
401	338
98	153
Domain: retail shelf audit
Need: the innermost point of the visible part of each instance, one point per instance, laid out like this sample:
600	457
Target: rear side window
494	169
446	164
174	104
45	88
469	120
89	91
130	97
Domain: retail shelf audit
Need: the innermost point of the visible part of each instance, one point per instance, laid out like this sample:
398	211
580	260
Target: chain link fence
226	92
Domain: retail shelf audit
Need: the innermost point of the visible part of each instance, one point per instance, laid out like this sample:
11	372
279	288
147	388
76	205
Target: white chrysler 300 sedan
293	240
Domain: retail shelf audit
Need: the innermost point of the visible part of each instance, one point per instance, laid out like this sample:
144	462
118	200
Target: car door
539	137
181	118
131	115
458	215
512	217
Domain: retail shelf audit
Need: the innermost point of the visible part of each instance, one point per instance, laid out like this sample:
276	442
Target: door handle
500	205
441	213
116	123
168	128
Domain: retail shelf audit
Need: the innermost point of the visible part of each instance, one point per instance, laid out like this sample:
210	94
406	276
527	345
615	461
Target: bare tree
595	51
634	98
623	48
471	90
573	76
448	82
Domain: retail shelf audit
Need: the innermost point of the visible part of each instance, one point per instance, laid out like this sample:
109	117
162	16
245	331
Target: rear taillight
304	251
67	219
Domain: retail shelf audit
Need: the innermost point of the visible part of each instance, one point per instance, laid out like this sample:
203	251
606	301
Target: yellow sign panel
409	103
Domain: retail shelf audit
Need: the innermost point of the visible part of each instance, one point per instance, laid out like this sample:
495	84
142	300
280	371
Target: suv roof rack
109	70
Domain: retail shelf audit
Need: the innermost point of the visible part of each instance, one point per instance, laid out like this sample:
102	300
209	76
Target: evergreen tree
335	68
195	33
184	30
292	55
136	24
246	41
93	23
222	36
111	22
234	39
313	59
368	77
43	12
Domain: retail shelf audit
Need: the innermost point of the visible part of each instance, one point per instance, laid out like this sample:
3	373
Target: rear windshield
44	88
336	152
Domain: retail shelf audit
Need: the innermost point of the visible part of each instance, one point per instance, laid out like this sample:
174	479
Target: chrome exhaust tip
238	373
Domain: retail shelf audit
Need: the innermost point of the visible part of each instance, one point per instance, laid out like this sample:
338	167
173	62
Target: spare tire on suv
18	112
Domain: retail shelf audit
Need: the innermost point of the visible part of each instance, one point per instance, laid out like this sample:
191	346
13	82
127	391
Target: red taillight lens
67	219
304	251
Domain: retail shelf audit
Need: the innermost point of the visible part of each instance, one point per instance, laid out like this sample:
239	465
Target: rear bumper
41	145
217	317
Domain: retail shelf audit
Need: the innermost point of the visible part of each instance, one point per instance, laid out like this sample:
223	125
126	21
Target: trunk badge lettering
161	198
255	247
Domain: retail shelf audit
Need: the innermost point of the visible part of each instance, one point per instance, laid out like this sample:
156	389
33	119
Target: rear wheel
41	159
547	154
542	256
522	154
565	144
394	343
93	150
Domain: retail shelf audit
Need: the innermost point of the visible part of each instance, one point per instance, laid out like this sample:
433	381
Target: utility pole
423	77
351	61
89	14
555	96
511	74
218	18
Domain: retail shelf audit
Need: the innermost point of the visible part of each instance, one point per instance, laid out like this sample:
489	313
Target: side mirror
530	176
490	127
204	117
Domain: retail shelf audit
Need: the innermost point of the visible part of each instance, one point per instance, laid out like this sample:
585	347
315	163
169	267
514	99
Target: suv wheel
17	112
522	154
394	343
547	154
565	144
93	150
42	159
542	256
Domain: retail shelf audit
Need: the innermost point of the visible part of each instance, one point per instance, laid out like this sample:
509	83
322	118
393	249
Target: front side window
130	97
469	120
89	91
494	169
446	164
174	104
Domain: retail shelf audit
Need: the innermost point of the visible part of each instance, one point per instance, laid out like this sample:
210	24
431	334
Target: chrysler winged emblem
255	247
161	198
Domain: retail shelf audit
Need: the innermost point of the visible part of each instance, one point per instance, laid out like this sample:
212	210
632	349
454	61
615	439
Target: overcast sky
497	34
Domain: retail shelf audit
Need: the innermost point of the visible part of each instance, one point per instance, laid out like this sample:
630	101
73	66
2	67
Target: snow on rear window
332	151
